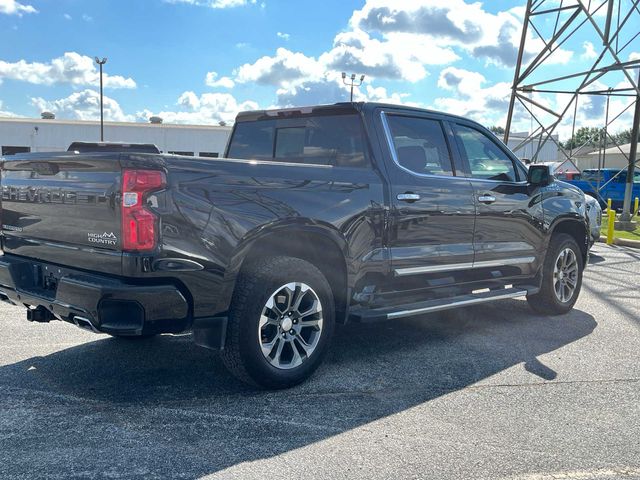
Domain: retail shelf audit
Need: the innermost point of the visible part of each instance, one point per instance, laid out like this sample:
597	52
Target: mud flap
210	332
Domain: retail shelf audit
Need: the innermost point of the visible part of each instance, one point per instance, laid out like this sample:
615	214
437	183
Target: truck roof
335	108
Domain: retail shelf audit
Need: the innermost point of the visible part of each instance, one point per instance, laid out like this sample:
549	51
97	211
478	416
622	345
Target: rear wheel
561	277
280	323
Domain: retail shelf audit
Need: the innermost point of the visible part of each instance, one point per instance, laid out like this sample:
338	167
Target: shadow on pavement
168	408
594	258
618	281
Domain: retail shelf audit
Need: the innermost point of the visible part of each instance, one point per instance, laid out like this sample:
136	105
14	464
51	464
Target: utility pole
352	82
625	219
549	96
516	75
101	63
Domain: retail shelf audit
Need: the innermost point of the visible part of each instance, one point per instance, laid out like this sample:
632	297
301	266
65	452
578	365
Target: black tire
546	301
242	354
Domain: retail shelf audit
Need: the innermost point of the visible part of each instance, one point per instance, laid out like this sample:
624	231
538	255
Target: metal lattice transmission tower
551	87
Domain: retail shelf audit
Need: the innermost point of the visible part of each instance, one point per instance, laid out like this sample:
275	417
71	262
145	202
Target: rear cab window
335	140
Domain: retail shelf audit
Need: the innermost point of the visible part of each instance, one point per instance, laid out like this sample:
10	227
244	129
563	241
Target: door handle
486	199
408	197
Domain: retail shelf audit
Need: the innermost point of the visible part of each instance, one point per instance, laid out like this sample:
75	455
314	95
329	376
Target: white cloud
459	80
444	19
314	92
470	98
380	94
208	108
6	113
589	51
215	3
12	7
212	80
71	68
284	36
83	105
67	16
283	69
401	56
87	18
398	56
331	89
398	40
445	25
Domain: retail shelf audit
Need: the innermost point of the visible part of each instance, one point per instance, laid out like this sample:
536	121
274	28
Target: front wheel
561	277
280	322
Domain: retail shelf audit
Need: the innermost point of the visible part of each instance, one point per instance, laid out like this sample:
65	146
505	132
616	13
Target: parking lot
488	392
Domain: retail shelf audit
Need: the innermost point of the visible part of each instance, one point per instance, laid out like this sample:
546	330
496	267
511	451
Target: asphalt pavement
491	392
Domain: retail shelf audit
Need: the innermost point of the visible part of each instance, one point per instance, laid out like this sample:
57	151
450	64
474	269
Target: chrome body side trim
504	262
464	266
400	272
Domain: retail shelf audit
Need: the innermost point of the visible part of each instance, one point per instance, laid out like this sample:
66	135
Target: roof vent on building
48	116
157	120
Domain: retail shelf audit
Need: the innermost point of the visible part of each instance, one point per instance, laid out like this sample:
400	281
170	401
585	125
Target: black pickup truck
353	212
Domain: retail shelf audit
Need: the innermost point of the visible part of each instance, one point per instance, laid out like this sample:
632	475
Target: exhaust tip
84	323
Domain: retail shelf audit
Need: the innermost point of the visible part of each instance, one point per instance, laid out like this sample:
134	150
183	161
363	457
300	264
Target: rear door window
420	145
336	140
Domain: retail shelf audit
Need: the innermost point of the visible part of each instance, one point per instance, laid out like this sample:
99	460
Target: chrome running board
391	313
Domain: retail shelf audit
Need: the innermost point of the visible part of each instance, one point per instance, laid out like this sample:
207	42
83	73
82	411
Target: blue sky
200	61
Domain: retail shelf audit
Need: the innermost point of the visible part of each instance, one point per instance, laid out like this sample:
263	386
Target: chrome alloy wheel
565	275
290	325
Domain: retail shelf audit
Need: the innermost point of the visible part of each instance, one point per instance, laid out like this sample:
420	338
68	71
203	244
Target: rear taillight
139	223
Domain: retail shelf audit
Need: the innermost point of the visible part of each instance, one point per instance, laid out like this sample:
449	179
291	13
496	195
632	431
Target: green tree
497	130
589	136
623	137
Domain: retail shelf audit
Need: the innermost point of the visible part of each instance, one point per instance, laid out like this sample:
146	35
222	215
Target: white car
594	215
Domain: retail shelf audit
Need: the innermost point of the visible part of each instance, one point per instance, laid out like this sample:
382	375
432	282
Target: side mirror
539	175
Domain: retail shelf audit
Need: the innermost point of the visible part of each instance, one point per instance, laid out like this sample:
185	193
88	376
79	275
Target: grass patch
635	235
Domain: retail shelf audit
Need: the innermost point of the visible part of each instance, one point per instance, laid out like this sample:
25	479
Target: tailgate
62	208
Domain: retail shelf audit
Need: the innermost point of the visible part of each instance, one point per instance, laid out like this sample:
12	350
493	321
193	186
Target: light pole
352	82
101	63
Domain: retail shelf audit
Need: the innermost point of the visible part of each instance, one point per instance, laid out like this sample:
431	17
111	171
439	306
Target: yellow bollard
635	206
610	226
608	205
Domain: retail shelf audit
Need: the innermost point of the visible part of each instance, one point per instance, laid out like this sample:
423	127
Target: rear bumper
102	303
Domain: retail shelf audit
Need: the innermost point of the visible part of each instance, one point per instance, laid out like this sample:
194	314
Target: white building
41	135
612	157
548	153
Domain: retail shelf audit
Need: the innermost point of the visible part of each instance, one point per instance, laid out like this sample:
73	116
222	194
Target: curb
622	242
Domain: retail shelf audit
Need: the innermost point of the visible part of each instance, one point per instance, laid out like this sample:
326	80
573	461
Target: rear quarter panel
220	208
